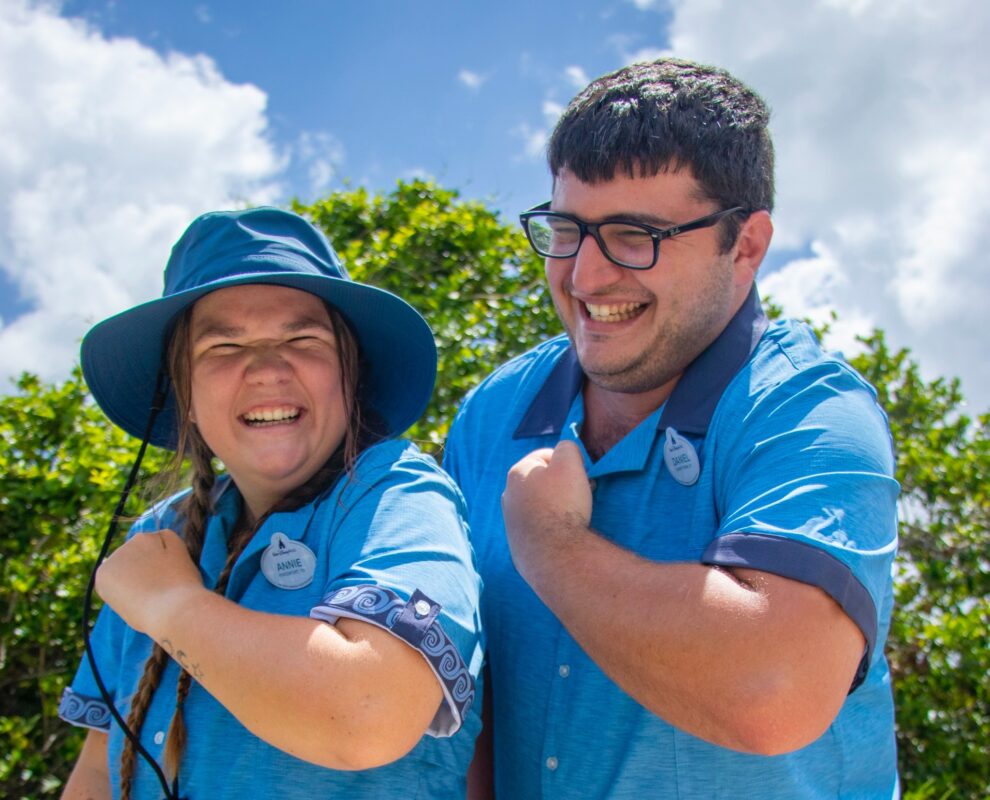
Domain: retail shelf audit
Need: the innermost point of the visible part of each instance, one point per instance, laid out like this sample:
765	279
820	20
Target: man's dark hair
666	115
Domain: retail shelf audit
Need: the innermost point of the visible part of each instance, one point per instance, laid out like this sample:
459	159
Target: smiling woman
291	624
267	389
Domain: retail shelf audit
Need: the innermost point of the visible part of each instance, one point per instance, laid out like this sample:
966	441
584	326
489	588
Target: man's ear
751	245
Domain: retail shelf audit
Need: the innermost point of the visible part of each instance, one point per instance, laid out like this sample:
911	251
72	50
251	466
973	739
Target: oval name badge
681	458
288	564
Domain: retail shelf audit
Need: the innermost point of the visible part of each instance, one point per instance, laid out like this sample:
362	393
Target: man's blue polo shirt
794	477
391	549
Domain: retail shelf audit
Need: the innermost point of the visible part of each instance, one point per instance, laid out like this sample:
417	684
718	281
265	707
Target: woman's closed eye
222	348
310	341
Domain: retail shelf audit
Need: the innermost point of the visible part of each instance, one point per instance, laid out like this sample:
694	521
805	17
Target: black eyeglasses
629	244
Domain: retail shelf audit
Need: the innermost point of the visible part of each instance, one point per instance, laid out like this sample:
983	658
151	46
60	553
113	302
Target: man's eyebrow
637	216
629	216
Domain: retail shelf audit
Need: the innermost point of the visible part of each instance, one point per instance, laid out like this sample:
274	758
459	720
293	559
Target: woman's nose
267	364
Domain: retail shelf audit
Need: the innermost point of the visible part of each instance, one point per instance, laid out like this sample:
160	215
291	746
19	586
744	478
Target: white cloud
472	80
552	111
647	5
535	138
109	151
577	77
322	154
882	128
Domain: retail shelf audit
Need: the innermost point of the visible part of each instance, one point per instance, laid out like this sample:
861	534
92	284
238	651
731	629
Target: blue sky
455	90
120	121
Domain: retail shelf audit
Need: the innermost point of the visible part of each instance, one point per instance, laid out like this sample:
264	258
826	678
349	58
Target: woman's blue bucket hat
122	355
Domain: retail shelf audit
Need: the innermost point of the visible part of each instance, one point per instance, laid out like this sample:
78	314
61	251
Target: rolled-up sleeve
401	561
809	493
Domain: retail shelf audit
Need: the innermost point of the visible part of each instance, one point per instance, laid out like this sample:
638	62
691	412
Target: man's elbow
778	725
774	739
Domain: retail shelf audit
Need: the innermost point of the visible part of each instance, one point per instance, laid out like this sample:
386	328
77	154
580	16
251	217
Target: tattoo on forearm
182	657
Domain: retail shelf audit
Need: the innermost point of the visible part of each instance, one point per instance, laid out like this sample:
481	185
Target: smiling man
684	514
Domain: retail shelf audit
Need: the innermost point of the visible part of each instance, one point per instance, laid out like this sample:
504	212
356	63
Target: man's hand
146	577
547	496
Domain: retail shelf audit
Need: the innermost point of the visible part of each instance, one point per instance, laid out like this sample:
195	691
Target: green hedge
476	281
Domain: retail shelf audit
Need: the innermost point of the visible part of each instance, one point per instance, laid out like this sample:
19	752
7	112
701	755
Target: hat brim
121	356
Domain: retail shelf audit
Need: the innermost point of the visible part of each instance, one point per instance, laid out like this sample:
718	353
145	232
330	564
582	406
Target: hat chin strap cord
157	404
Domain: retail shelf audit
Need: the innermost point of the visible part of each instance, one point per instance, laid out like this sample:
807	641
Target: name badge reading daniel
288	564
680	457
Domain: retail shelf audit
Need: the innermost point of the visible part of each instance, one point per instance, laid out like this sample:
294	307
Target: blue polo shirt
391	549
769	455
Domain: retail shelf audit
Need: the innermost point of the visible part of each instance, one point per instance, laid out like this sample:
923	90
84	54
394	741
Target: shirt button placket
553	782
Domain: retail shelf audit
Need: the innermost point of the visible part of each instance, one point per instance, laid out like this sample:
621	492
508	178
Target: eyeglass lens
560	237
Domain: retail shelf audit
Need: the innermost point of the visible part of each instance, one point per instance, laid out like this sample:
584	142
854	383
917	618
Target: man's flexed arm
743	659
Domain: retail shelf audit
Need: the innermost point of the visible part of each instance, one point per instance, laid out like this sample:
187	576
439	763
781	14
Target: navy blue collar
690	406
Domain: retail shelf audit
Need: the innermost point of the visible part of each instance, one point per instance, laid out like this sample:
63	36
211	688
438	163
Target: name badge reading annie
680	457
288	564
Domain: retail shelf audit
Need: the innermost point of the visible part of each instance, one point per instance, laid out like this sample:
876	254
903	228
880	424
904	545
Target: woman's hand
147	577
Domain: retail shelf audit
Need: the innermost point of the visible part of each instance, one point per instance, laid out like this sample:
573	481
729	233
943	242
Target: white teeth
262	416
612	313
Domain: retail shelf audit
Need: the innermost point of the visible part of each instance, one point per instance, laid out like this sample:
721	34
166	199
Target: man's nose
592	270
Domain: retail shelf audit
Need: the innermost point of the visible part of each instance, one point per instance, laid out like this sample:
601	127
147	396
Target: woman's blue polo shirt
794	477
391	549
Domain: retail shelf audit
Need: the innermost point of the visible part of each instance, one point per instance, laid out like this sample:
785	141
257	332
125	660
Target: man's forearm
746	660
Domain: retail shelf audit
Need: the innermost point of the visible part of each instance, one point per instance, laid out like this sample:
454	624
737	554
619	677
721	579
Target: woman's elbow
375	742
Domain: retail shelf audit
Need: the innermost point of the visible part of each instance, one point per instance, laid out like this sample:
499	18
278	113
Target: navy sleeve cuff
86	712
415	622
807	564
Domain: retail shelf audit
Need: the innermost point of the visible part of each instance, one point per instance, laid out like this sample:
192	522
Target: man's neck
609	416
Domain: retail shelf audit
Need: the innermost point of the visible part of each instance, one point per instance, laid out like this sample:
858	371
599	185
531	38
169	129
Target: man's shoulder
487	419
519	376
790	371
790	350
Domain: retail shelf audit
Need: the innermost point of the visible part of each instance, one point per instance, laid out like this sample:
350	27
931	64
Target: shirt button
564	670
552	763
159	737
422	608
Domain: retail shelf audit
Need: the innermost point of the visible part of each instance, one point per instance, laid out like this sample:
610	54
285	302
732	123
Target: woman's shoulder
167	512
161	514
394	452
399	460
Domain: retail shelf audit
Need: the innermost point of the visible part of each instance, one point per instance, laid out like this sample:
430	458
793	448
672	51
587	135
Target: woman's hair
195	509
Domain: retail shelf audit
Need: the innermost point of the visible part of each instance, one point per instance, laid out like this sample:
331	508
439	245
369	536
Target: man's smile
613	312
